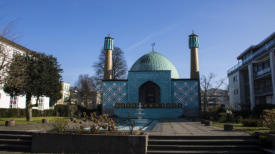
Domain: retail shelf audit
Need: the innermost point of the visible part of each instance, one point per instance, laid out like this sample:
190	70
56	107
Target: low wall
271	138
92	144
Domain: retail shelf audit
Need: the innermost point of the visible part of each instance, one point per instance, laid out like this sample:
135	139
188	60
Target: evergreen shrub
5	113
252	123
269	119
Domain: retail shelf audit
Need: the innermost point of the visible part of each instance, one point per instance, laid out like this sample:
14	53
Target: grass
35	120
240	127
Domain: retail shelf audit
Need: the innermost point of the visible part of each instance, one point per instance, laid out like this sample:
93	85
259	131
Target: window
236	91
235	78
13	101
40	102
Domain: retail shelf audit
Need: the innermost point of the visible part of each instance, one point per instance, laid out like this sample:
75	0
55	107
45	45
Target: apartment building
252	80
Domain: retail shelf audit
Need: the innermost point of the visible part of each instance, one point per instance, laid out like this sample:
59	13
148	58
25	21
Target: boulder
228	127
207	123
10	123
45	121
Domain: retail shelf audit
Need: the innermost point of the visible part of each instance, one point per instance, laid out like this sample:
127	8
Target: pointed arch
149	93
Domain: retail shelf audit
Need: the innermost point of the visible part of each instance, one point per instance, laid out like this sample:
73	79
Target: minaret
194	45
108	68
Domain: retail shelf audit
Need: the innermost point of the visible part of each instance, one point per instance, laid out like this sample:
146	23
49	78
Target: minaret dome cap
193	41
108	43
108	37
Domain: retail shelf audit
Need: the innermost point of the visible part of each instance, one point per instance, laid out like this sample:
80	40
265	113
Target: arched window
149	93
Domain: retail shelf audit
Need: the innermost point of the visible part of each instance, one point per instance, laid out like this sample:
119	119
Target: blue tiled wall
161	78
184	92
150	113
113	92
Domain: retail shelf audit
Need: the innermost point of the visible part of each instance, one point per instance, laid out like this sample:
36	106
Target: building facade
153	81
65	92
216	98
96	100
252	80
6	101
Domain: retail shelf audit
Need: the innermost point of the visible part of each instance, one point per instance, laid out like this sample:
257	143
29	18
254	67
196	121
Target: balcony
262	72
252	56
263	91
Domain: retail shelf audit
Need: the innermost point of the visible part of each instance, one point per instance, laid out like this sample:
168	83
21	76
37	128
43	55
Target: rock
45	121
10	123
228	127
207	123
73	119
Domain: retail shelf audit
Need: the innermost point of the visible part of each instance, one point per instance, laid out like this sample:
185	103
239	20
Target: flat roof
255	47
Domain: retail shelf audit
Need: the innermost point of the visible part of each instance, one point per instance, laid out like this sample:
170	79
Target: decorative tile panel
114	92
186	92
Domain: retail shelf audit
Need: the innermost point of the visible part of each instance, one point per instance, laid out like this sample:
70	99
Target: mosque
154	82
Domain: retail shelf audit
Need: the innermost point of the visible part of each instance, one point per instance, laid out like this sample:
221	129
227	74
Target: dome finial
153	45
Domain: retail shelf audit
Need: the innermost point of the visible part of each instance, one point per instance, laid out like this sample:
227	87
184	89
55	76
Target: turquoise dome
154	61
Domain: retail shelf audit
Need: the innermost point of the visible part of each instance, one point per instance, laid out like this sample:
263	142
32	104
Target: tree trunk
204	103
29	107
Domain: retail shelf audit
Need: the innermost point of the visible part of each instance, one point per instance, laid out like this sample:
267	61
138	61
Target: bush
62	110
22	113
258	110
222	117
252	123
269	118
238	119
60	125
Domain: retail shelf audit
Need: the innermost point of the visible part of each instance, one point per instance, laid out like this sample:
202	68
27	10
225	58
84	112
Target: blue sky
74	30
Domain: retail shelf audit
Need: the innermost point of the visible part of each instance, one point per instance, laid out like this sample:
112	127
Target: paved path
183	127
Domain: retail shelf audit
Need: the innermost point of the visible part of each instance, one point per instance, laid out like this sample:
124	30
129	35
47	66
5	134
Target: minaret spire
153	46
193	46
108	67
195	71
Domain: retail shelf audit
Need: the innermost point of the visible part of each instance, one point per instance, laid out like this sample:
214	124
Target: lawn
35	120
240	127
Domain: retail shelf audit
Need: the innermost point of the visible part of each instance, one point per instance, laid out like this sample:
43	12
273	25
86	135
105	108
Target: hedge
22	113
252	123
59	110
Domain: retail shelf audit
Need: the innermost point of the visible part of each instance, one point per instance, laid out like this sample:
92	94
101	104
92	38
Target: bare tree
85	86
119	66
209	88
4	63
8	31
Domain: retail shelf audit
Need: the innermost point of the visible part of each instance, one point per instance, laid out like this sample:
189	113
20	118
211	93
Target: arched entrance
149	93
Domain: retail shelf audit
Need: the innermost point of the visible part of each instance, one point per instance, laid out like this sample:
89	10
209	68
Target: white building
65	92
6	101
252	80
96	100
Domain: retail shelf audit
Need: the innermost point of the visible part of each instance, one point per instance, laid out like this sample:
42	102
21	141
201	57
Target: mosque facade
154	82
